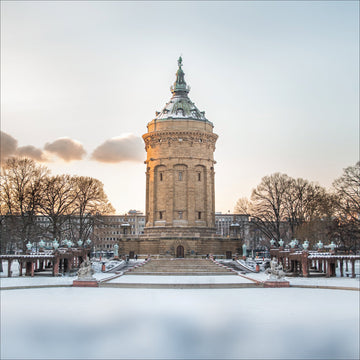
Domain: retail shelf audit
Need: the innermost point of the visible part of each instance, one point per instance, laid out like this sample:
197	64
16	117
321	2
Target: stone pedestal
276	284
86	283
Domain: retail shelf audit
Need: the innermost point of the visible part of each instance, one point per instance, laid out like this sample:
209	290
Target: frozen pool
107	323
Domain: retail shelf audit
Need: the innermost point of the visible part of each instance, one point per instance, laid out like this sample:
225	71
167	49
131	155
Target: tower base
181	245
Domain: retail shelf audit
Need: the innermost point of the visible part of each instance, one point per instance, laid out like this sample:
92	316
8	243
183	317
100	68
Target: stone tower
180	198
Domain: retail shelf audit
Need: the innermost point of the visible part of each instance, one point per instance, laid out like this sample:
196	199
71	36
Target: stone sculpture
85	271
275	271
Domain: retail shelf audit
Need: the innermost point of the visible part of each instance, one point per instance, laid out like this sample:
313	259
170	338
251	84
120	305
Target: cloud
8	145
123	148
31	152
66	149
9	148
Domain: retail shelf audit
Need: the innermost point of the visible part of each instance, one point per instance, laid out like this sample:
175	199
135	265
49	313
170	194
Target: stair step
181	267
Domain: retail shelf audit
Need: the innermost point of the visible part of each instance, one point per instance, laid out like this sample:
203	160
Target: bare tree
21	188
284	207
243	206
268	205
91	201
306	202
59	203
347	191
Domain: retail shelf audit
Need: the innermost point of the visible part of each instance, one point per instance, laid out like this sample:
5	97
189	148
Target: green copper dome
180	106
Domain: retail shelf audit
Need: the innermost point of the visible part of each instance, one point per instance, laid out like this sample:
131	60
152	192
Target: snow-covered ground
16	281
113	323
149	279
313	281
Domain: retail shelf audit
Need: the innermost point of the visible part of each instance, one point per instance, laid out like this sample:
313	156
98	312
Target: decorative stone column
353	268
56	266
341	268
305	263
9	267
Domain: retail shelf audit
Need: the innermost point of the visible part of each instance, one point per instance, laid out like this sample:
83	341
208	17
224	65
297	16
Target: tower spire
180	86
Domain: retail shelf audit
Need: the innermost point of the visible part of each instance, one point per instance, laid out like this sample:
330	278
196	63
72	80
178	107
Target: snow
149	279
112	323
312	281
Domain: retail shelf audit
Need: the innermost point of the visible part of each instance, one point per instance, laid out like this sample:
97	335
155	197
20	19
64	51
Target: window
199	176
180	214
160	215
199	215
180	175
161	176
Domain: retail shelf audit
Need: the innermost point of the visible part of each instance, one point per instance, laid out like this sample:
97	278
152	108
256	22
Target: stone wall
180	175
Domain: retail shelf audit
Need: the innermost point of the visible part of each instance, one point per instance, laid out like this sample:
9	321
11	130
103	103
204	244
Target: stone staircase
194	267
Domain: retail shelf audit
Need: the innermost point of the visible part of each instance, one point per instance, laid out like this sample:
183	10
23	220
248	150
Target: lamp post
87	244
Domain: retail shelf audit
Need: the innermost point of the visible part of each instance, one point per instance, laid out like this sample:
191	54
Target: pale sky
279	81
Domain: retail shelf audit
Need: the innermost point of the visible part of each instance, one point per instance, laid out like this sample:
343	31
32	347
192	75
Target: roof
180	106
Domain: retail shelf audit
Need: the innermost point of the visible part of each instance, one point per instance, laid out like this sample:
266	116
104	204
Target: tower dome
180	106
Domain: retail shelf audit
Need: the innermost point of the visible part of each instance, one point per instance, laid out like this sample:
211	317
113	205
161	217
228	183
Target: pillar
328	268
346	265
320	265
28	268
341	268
353	268
305	265
20	267
32	268
9	267
56	266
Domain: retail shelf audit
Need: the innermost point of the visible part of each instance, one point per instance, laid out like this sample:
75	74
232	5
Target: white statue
276	270
85	271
